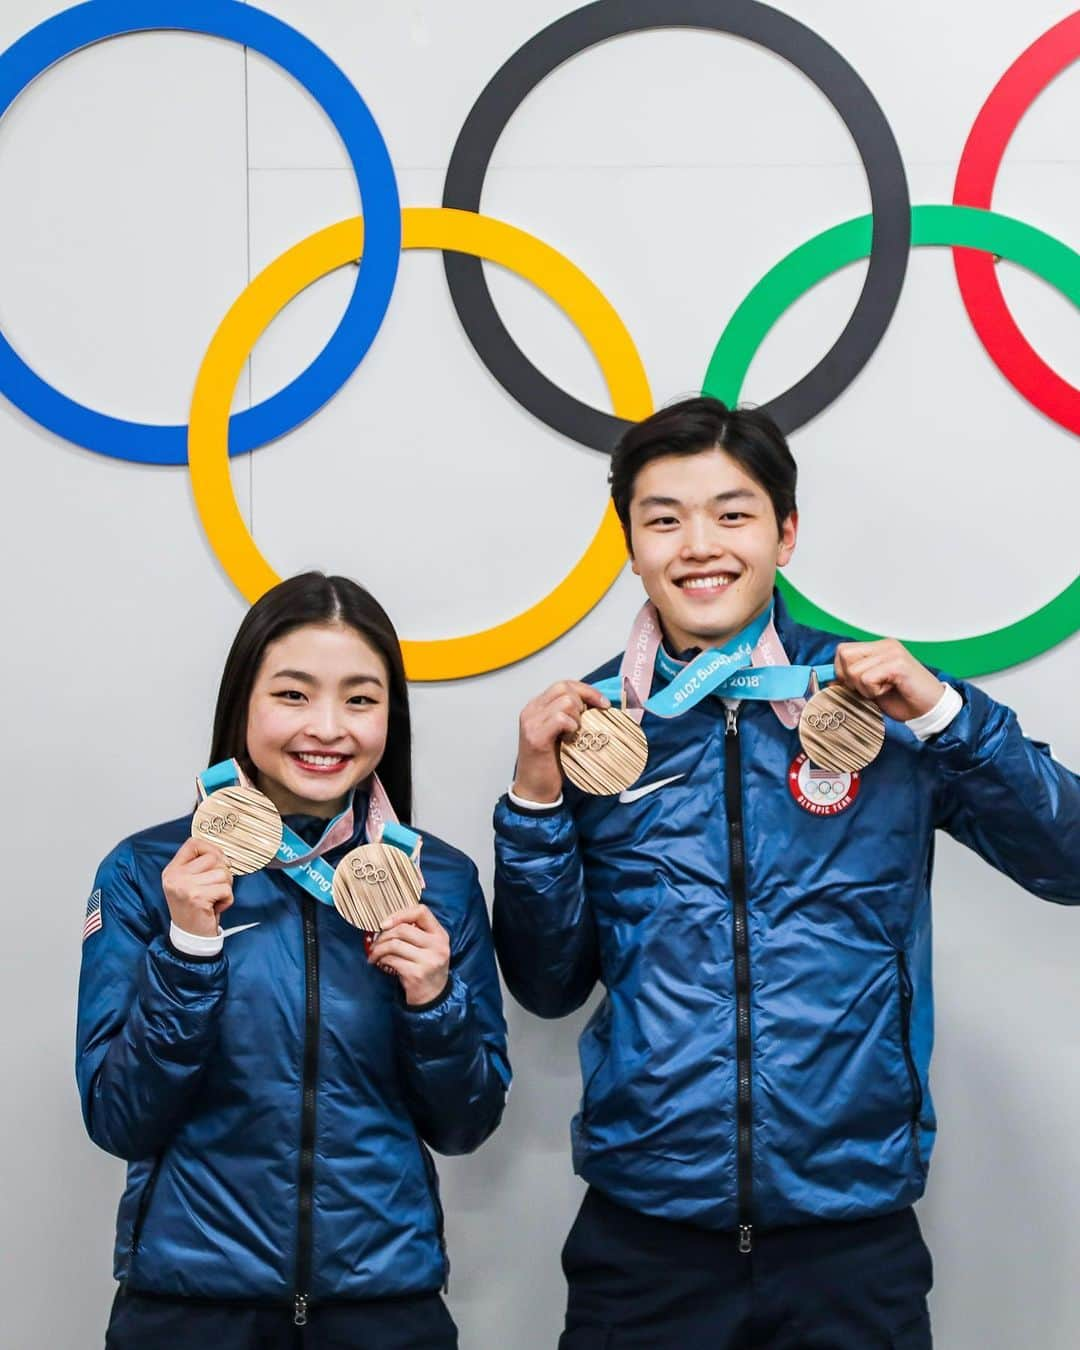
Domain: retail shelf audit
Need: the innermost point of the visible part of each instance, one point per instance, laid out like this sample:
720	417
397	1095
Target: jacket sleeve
147	1020
452	1053
1007	798
545	935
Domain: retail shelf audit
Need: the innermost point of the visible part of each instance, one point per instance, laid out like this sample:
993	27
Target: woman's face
318	718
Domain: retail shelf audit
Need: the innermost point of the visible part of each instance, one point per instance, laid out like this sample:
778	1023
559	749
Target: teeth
320	761
705	583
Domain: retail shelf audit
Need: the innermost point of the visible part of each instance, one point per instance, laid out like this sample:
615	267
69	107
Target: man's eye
663	520
734	516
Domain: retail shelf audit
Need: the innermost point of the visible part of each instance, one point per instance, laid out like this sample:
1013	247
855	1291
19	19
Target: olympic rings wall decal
767	28
76	28
968	227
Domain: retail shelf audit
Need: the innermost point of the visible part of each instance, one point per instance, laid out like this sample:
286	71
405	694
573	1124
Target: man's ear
788	534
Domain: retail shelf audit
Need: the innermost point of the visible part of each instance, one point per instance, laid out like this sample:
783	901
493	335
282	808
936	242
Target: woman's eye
289	695
361	700
663	520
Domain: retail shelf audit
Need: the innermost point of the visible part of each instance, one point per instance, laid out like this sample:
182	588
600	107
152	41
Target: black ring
766	27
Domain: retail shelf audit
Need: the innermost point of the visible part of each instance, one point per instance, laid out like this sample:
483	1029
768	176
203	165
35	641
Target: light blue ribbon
724	671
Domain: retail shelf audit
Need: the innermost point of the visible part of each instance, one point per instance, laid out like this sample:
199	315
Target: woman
273	1086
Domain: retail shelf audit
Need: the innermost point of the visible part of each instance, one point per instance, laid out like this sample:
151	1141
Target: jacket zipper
741	945
307	1118
906	994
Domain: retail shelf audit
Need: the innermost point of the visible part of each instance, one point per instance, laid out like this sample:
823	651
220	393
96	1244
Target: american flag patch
92	922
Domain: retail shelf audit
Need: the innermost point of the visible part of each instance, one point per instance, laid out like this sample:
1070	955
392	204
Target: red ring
1010	98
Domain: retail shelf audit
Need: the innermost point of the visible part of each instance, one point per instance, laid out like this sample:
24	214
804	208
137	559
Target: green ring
826	253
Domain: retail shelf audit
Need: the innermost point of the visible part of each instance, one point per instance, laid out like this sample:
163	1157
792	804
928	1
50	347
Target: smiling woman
201	1068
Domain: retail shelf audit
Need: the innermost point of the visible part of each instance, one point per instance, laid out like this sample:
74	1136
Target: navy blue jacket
762	1050
201	1073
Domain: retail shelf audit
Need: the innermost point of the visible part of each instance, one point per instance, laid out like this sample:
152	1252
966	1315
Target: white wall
142	183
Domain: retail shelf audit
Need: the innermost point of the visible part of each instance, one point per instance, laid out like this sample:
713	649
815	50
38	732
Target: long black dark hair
314	598
748	435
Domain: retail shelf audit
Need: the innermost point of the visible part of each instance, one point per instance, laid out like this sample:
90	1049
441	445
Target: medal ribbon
296	858
752	665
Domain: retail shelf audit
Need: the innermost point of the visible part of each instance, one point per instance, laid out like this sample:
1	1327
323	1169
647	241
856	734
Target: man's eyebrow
733	494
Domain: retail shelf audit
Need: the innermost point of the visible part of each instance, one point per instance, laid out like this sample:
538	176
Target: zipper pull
300	1310
746	1238
732	721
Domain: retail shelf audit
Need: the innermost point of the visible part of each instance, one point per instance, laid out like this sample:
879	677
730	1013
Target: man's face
705	543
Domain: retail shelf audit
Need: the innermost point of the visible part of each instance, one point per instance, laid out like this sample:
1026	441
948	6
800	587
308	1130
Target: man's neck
677	641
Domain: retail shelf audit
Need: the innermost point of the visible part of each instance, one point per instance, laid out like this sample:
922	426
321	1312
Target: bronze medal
374	881
606	754
841	731
243	823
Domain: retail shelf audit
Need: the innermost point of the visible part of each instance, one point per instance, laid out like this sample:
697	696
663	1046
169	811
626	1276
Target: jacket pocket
141	1211
432	1176
906	997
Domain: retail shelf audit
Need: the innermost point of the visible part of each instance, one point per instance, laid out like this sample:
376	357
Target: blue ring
146	443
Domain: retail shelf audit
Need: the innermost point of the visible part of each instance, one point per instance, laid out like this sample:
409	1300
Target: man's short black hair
748	435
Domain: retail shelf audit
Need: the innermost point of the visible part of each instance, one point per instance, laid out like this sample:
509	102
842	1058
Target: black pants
149	1323
641	1283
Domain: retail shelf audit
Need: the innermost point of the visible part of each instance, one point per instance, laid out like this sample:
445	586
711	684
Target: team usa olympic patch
820	791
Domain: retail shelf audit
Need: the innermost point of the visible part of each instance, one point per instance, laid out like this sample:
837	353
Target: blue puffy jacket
274	1102
761	1053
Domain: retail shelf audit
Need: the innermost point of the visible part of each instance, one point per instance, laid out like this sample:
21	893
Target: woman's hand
198	887
551	716
415	947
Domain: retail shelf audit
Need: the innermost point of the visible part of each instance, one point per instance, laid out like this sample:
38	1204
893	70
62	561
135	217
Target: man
755	1124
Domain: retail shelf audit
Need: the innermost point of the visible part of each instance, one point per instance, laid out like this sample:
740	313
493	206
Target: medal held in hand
373	882
243	823
606	754
841	731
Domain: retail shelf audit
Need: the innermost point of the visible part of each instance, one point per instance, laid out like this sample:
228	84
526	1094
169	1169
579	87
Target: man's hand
887	674
553	715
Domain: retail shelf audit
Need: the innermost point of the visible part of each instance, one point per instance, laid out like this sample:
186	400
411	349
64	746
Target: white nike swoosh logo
632	794
241	928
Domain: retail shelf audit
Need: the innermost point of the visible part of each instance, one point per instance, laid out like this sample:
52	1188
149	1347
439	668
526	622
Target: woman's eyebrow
302	677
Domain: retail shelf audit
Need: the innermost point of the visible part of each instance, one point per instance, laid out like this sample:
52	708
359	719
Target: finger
188	850
427	921
208	858
871	653
210	876
874	678
396	947
221	906
419	915
415	938
394	965
209	896
409	915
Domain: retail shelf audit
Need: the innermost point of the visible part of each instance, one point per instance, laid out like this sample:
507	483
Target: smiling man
756	1122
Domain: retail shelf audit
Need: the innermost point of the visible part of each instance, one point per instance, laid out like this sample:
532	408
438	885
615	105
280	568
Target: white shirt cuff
191	944
527	805
939	716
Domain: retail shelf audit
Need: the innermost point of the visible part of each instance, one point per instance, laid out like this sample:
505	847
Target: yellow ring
422	227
